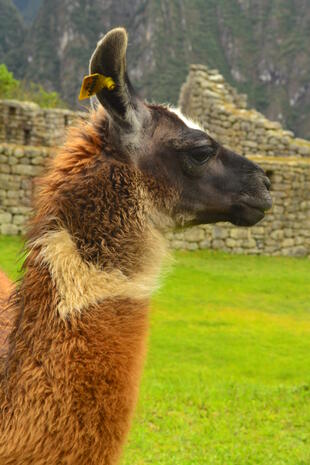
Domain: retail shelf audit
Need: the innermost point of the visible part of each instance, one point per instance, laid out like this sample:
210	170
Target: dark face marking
212	182
209	183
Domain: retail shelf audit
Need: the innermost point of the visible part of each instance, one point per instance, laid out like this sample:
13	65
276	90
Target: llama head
209	182
130	171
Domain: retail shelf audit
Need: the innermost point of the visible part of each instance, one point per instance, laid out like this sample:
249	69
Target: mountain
266	45
28	8
260	46
12	32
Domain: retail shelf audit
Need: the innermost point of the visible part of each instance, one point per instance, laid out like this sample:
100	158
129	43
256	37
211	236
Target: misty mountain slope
28	9
260	46
62	38
12	32
269	57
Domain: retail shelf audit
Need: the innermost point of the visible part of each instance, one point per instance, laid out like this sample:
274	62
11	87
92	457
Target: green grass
11	255
227	380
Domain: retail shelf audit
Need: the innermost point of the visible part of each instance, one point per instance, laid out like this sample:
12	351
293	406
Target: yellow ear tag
92	84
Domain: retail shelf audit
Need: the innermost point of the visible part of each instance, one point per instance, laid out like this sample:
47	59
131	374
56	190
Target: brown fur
69	385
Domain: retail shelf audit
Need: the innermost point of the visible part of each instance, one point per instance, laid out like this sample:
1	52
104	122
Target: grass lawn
227	380
10	255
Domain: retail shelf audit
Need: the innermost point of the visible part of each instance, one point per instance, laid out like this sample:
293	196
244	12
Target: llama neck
97	238
80	285
77	347
59	287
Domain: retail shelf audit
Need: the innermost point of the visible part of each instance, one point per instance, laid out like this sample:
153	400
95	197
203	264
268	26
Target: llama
70	375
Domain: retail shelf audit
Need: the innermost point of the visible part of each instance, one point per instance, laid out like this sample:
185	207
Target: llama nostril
267	182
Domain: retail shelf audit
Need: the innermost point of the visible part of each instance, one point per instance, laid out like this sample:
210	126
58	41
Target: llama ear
109	59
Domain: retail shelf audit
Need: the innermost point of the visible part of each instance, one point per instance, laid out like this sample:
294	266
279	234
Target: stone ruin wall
29	136
25	123
19	165
208	99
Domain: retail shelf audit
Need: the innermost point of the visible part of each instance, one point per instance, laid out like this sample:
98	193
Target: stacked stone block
19	165
208	99
29	136
25	123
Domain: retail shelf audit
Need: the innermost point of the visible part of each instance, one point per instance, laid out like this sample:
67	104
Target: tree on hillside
8	85
11	88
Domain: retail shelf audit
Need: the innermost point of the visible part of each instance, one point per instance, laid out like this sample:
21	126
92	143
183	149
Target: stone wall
25	123
28	137
284	231
222	112
208	99
18	166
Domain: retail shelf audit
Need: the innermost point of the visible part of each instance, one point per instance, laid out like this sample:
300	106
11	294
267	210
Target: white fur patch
189	123
81	285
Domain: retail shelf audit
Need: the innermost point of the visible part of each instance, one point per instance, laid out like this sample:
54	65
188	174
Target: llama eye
201	155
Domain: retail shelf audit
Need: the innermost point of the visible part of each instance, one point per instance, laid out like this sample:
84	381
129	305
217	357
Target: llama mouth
251	211
246	211
247	216
263	204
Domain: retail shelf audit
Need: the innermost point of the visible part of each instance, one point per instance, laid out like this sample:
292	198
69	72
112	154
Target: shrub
11	88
